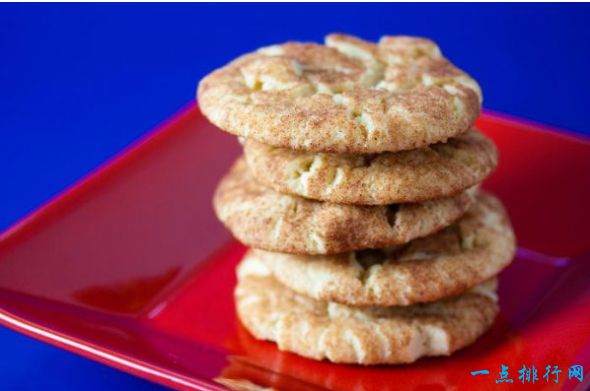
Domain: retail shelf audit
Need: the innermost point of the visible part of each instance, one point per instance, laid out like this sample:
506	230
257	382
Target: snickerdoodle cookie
434	171
348	95
359	335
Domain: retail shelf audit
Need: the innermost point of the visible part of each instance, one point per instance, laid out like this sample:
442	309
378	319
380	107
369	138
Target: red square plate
131	268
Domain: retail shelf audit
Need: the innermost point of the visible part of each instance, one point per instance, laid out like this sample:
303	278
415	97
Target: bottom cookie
359	335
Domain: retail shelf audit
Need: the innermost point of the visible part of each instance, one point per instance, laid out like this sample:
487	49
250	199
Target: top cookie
347	96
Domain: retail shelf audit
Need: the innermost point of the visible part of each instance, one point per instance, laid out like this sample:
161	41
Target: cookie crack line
348	95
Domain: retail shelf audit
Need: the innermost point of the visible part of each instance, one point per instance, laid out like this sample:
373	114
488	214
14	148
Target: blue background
80	82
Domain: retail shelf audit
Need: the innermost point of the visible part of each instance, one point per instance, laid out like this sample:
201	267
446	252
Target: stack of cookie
358	191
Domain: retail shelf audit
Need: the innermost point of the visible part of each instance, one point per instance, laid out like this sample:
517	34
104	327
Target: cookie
347	96
447	263
359	335
263	218
435	171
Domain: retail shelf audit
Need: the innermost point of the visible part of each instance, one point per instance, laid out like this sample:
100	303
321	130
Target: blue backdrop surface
80	82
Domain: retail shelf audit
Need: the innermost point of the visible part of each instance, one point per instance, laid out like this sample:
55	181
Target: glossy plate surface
131	268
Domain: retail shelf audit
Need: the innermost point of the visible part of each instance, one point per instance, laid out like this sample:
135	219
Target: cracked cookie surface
347	96
263	218
359	335
474	249
438	170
